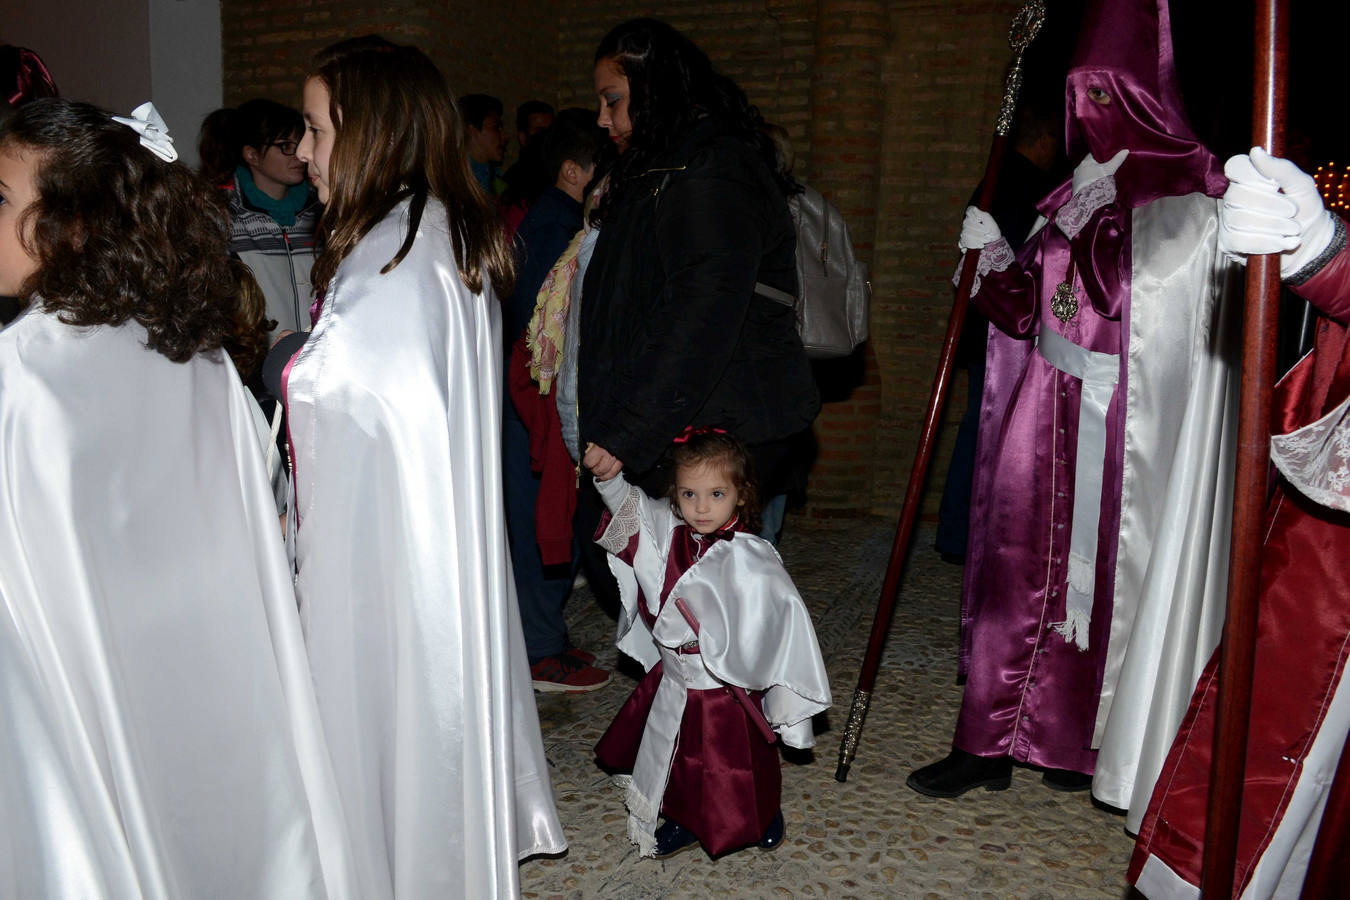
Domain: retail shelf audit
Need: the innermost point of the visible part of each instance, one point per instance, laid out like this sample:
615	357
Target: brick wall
890	106
506	48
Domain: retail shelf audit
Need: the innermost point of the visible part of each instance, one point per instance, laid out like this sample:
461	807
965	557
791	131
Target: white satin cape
158	731
1176	492
754	632
404	579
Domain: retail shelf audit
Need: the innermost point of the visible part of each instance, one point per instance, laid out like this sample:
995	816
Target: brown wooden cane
1238	645
1026	24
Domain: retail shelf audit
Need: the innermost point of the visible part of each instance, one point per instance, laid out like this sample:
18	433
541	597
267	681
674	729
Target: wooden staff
1025	26
1261	319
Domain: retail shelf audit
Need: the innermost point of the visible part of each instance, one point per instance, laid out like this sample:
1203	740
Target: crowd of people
225	676
293	500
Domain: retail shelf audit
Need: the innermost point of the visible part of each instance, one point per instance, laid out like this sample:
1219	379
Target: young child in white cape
731	656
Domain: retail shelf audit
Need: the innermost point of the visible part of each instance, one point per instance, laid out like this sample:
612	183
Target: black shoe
671	838
952	559
961	772
1066	780
774	835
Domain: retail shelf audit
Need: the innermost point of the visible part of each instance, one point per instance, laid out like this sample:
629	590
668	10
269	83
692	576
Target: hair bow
691	431
146	121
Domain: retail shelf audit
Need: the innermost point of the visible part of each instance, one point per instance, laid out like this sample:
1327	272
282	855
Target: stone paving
871	836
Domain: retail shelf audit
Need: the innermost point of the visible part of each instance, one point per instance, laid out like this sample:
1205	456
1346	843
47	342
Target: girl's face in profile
707	496
317	144
18	170
611	85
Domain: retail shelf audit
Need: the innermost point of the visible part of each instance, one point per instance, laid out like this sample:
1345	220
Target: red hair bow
691	431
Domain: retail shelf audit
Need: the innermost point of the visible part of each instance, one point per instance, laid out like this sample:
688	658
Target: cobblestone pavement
871	836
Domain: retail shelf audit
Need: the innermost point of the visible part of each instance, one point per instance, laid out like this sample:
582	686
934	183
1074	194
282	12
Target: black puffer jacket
672	333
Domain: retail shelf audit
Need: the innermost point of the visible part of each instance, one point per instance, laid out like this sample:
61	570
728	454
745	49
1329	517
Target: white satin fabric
403	575
1098	373
158	731
1176	495
754	632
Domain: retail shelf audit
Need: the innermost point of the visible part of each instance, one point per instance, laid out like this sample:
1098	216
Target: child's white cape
755	633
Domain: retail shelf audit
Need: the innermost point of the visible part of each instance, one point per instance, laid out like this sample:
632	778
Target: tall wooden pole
1025	26
1237	650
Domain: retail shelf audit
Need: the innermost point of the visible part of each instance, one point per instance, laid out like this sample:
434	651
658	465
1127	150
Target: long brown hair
121	234
398	134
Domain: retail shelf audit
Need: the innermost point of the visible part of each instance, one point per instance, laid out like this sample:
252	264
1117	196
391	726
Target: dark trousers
954	511
541	590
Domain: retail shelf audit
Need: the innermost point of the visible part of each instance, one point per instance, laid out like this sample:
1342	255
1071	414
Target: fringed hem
1074	629
641	805
643	834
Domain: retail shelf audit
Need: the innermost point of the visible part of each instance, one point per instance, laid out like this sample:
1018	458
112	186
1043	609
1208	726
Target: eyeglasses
287	148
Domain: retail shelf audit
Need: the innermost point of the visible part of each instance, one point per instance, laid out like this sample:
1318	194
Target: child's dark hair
247	344
706	446
574	137
119	233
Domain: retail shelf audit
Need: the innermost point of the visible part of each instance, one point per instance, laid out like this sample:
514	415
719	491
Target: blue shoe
774	836
672	838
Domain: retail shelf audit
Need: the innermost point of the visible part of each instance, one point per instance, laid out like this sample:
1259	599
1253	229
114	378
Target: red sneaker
567	673
583	655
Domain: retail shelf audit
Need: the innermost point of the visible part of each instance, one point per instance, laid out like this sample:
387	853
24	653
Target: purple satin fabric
1125	49
1030	694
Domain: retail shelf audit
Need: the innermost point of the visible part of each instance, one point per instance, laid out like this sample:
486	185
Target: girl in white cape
158	731
403	576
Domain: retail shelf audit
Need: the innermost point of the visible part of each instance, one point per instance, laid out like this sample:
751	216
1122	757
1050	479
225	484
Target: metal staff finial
1025	26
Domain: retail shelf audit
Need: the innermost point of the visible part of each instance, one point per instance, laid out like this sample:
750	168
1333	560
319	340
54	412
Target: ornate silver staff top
1025	26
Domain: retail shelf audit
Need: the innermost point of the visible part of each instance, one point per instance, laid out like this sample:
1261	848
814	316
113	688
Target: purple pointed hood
1125	50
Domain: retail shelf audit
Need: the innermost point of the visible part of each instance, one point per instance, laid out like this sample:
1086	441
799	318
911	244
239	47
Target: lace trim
996	256
1072	216
1316	458
624	523
1316	265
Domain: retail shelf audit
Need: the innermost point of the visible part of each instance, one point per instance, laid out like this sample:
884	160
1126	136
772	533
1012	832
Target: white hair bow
146	121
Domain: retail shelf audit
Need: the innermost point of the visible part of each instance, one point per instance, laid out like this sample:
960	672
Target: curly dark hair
709	446
672	85
119	233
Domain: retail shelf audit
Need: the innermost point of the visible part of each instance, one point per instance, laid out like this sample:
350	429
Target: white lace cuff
624	523
1072	216
995	256
1316	458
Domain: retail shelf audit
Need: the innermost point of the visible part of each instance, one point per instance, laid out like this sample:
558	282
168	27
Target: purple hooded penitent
1097	506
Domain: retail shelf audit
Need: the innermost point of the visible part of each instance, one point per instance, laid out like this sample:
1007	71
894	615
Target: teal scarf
282	211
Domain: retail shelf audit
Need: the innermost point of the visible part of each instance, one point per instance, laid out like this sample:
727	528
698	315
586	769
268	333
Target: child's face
18	169
317	144
707	496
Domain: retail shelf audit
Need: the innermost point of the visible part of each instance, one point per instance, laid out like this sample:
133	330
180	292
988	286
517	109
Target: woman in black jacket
672	332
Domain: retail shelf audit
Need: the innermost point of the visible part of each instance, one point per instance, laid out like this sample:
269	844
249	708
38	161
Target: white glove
1090	171
1272	206
978	230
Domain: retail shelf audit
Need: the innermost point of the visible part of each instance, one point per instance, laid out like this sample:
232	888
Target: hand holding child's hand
602	464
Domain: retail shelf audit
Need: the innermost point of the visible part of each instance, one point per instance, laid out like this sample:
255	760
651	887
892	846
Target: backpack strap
775	294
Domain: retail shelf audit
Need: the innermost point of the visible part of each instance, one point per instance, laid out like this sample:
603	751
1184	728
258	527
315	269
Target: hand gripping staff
1237	649
1025	25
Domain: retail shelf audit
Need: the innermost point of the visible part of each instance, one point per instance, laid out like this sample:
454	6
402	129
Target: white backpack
833	293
